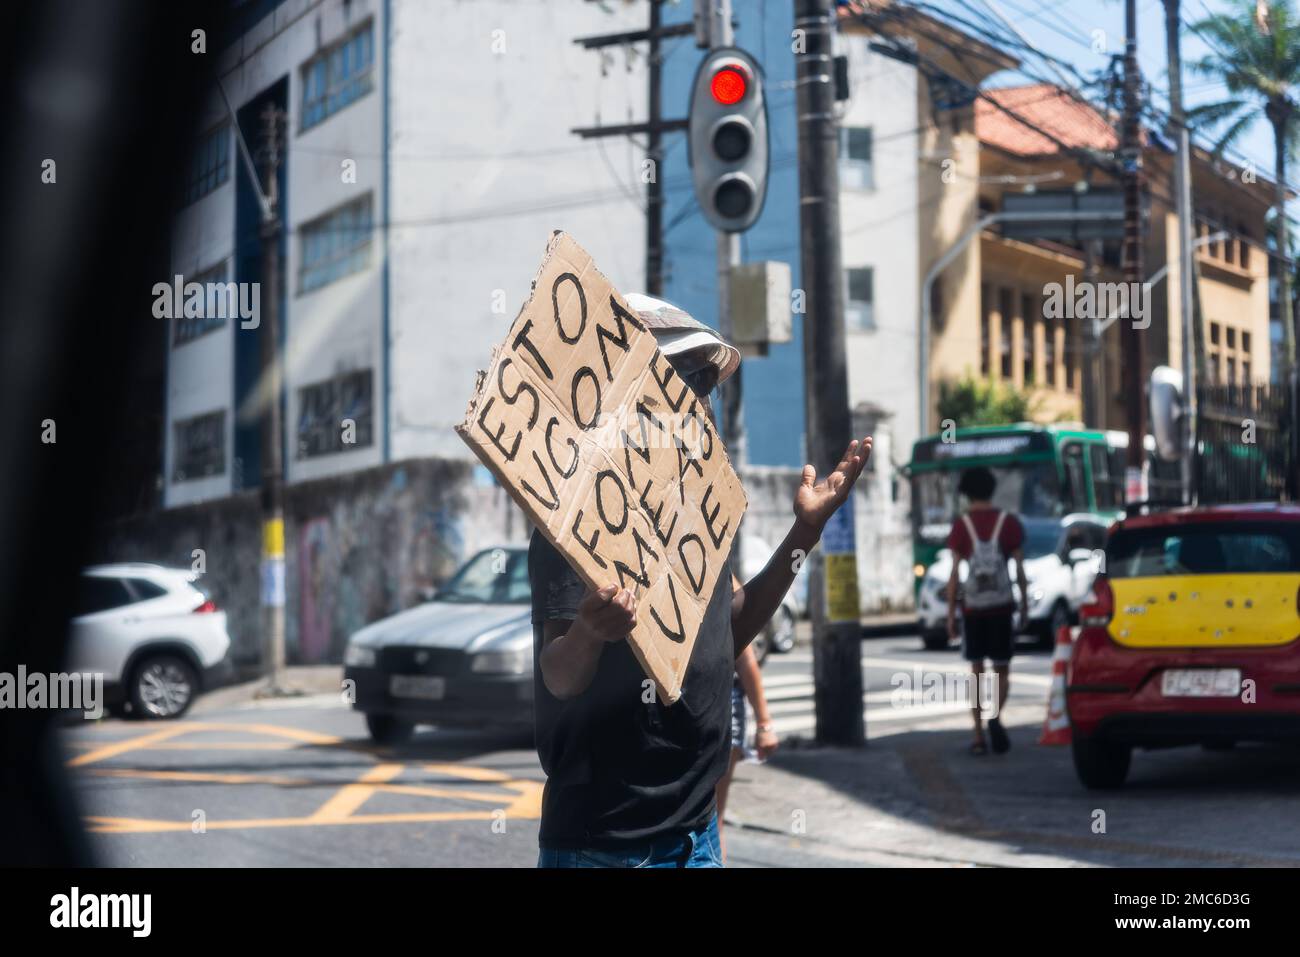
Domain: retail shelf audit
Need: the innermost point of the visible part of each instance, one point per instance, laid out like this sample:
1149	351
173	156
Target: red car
1189	636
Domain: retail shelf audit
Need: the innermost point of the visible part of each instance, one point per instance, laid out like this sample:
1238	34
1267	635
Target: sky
1067	30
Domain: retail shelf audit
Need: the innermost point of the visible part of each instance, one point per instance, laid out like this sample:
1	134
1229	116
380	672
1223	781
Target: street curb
890	628
305	679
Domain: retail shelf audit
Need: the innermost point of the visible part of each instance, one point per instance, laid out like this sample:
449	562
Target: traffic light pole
837	645
722	34
654	190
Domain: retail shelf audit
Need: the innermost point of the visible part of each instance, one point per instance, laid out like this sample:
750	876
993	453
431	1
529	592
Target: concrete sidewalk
919	799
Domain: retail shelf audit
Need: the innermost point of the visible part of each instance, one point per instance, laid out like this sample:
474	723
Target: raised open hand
815	501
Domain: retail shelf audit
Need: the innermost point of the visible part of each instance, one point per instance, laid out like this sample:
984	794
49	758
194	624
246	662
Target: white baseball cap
677	332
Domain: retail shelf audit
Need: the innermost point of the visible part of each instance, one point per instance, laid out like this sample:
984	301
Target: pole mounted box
760	305
727	132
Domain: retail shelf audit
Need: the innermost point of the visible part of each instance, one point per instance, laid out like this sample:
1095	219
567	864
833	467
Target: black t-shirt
620	769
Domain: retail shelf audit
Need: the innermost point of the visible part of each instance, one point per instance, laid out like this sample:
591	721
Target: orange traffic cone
1056	727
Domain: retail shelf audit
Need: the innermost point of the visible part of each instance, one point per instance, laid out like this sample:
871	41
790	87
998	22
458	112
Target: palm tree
1256	54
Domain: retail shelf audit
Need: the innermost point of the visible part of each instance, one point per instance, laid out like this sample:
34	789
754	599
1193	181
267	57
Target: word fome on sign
611	455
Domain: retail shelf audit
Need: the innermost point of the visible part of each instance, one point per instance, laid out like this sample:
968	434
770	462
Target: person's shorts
737	715
987	636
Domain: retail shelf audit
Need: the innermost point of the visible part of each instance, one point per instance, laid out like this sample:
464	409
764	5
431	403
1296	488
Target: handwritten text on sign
611	454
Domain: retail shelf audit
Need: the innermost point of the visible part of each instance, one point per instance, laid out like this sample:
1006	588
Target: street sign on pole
1069	228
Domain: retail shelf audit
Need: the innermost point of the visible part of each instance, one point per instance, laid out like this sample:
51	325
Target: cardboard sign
611	455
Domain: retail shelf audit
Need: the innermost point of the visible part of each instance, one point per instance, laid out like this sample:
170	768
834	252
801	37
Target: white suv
152	633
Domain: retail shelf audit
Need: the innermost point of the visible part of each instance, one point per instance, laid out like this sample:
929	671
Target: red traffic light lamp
729	86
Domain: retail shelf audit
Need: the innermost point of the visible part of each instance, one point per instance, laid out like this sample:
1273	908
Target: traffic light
728	139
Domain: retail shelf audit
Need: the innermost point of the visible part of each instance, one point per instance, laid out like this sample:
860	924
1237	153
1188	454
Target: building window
338	76
336	244
219	304
1214	333
860	311
1004	333
1232	371
336	415
1245	342
200	449
1212	360
209	165
855	158
1245	372
1231	334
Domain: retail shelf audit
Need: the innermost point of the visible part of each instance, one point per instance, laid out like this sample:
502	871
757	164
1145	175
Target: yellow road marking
522	798
351	796
469	772
144	741
424	790
122	747
128	825
220	746
197	776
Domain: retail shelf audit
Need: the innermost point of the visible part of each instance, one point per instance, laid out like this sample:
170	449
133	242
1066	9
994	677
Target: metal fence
1244	443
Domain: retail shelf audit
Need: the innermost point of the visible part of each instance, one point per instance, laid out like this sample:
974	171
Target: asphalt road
299	784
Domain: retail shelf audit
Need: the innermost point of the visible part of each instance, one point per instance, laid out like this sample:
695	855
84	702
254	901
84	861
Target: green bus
1043	472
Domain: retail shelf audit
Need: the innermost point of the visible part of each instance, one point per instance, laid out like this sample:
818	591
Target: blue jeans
699	848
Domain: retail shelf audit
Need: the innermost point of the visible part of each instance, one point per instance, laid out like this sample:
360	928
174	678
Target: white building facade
427	154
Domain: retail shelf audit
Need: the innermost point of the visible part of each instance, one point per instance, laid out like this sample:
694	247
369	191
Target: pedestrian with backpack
986	537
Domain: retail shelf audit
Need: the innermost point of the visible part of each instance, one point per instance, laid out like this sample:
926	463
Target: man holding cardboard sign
595	416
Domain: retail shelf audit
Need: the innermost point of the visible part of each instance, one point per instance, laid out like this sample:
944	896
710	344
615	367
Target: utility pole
1134	345
272	492
1186	263
654	191
654	128
837	645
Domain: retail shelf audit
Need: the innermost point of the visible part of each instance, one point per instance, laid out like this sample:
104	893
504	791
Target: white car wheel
163	686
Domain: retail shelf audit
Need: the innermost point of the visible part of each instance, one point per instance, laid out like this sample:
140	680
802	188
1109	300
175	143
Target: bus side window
1076	487
1106	486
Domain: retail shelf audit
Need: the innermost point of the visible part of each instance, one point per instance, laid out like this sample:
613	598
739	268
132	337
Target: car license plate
1201	683
428	687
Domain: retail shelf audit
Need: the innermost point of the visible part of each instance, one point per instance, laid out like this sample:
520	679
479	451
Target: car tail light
207	606
1099	607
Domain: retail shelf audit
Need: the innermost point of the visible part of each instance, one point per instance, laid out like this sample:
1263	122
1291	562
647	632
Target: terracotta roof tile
1043	105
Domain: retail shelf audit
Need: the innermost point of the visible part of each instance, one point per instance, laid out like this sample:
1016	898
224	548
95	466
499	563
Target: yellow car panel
1205	611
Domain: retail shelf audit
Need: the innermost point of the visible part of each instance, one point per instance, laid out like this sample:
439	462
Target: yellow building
922	86
1028	137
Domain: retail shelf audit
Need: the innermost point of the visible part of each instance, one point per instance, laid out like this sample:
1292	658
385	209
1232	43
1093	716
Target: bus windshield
1030	490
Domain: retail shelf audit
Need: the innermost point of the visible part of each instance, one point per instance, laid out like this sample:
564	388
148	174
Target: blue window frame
336	244
218	306
324	406
209	164
200	449
338	76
